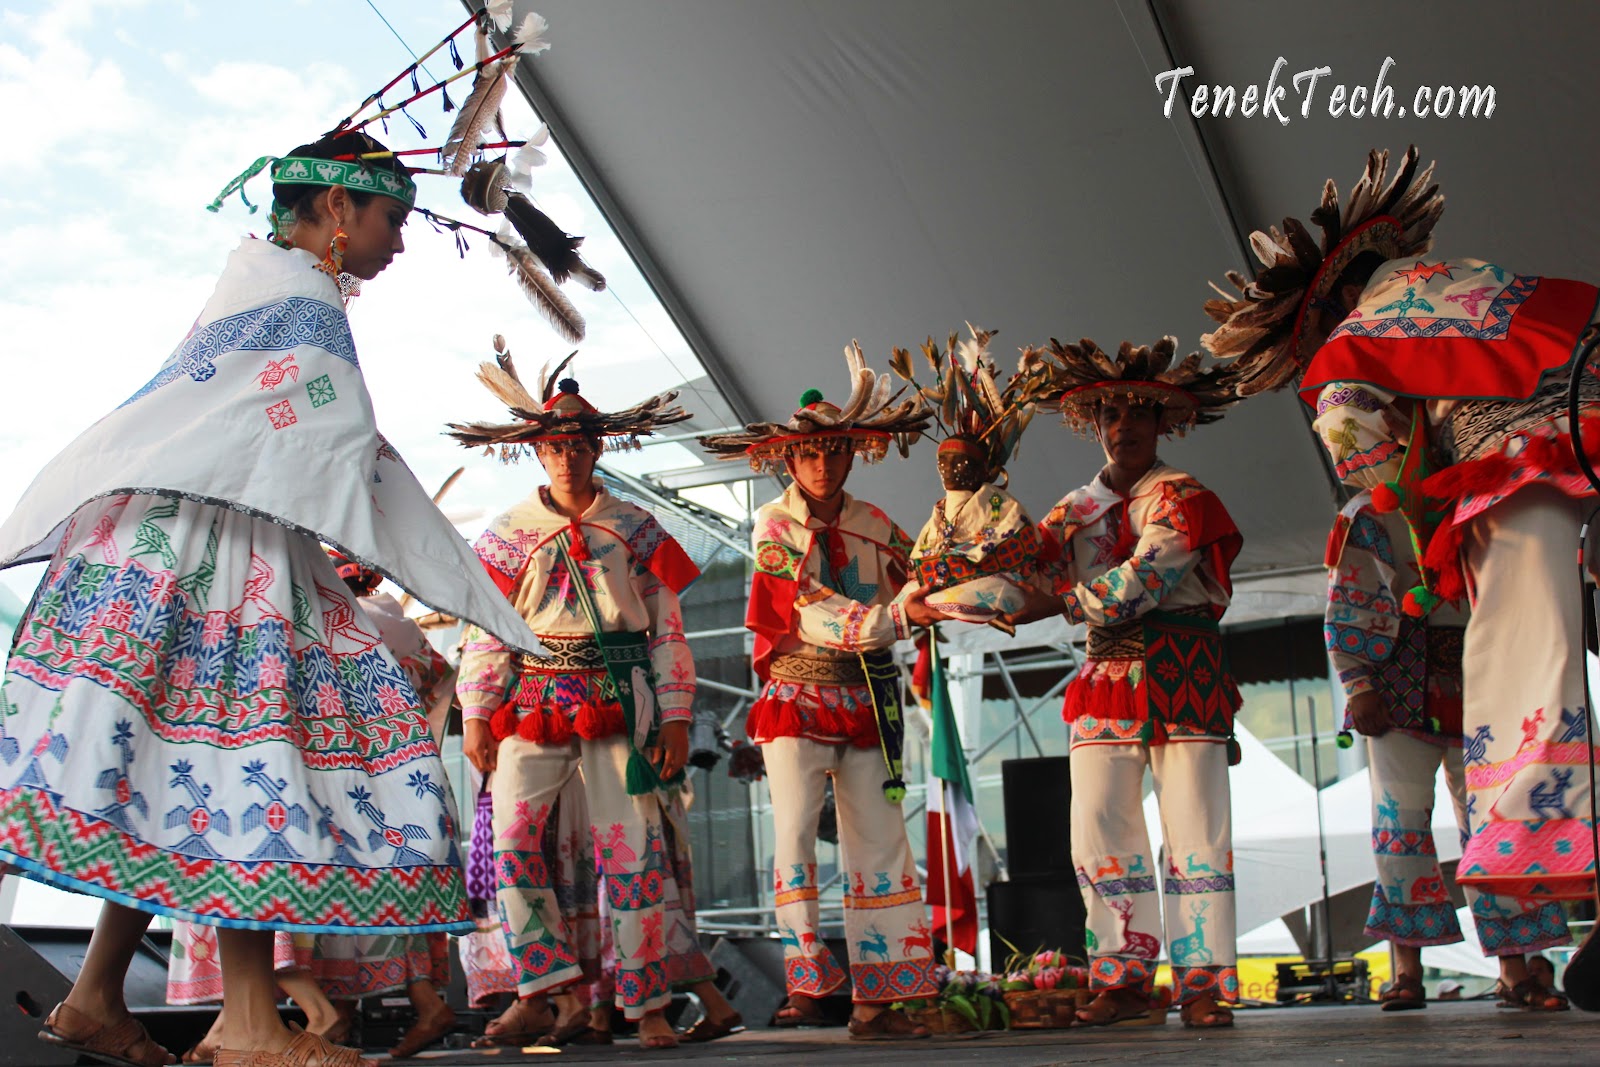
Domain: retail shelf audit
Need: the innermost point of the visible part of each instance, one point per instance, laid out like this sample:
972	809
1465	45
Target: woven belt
567	653
1125	640
817	670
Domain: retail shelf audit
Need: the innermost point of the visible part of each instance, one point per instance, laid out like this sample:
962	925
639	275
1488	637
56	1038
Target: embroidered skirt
198	722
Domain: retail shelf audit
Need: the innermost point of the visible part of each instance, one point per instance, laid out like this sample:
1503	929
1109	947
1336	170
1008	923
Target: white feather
501	12
530	35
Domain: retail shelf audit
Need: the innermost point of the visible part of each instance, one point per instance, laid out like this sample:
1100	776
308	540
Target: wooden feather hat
870	420
1268	328
558	413
972	412
1075	379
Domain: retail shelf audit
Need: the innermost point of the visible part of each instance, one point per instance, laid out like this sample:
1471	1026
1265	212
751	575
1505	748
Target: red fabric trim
770	614
1336	539
1549	458
1543	334
547	725
1104	698
1213	529
771	717
502	581
672	565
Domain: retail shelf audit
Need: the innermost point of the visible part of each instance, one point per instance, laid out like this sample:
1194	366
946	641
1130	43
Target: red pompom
1418	602
1386	498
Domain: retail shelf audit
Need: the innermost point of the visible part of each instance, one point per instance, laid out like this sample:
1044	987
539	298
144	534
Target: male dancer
821	606
1143	558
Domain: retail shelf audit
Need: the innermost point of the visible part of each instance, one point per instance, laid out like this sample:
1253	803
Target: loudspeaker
1038	802
750	975
1035	914
35	986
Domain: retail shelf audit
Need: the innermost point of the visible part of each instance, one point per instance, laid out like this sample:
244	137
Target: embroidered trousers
889	944
1410	905
1117	869
1525	723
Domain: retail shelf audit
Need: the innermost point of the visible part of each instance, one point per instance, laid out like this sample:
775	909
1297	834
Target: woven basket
1046	1009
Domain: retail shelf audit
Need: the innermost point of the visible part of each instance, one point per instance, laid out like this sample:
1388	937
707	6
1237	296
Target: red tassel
503	723
772	717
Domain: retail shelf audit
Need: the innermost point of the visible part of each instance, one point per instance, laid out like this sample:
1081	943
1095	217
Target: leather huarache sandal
706	1030
888	1025
125	1043
799	1011
1405	993
304	1050
1108	1009
424	1032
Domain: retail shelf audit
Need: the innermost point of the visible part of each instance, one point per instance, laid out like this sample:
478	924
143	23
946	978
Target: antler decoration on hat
1076	378
1268	326
558	412
870	419
964	400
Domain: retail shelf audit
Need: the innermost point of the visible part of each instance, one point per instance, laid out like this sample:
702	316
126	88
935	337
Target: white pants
1525	725
1117	868
890	946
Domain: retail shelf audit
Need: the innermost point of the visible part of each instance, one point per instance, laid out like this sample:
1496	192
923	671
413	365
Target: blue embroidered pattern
1495	324
296	321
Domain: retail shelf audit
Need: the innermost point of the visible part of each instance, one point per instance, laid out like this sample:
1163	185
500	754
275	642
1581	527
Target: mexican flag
952	825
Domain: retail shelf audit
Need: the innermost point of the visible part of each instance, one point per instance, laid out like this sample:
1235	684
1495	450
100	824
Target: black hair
1357	272
303	200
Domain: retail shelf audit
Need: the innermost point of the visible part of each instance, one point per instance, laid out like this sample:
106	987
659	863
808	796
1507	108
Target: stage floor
1473	1032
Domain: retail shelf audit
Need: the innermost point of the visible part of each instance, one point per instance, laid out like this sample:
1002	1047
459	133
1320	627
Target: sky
126	117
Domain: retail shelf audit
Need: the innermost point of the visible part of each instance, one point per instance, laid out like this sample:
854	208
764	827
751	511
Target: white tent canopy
794	174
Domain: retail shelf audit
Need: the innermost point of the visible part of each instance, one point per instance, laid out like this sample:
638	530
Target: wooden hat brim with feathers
1076	379
539	418
871	419
1266	326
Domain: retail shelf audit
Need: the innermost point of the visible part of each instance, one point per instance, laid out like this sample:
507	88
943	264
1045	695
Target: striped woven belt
806	669
567	653
1125	640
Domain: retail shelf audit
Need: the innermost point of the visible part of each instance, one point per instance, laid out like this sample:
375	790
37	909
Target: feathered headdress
540	254
559	412
869	421
972	412
1075	379
1268	327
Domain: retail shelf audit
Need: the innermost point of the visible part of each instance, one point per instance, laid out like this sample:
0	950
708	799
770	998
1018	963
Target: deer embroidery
1134	943
919	937
860	888
1114	867
1196	867
874	943
884	885
1190	949
1388	810
1550	796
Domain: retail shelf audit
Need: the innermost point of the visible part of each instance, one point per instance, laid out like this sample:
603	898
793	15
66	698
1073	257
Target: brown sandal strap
299	1053
125	1039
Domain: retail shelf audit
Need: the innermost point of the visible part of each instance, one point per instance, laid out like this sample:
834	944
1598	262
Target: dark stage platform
1461	1033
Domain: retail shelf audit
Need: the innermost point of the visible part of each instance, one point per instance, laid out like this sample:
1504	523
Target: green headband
307	170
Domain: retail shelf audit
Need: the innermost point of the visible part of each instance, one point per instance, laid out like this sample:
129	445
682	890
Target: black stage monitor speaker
34	985
1035	914
1038	803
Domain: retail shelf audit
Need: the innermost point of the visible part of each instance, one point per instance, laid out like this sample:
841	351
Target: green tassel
810	396
1147	732
894	790
1235	753
1433	723
641	777
1345	739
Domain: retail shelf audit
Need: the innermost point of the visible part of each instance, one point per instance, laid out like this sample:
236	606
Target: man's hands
1038	604
1367	714
918	613
479	745
671	751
